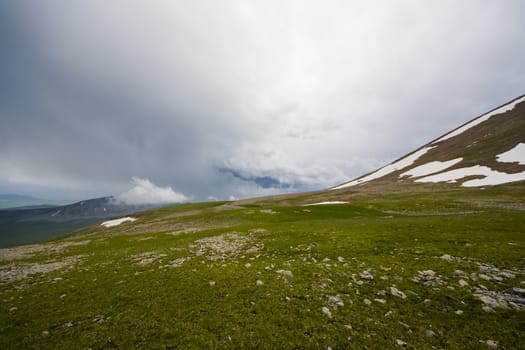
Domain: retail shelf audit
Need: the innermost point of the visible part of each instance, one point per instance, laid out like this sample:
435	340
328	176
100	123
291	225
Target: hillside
384	261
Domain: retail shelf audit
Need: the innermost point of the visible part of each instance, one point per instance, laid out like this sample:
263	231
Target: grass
121	294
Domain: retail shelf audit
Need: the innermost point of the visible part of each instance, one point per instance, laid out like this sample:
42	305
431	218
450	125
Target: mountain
35	224
12	200
486	151
16	197
389	260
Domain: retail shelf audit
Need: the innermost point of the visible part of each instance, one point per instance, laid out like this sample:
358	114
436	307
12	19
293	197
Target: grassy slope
110	300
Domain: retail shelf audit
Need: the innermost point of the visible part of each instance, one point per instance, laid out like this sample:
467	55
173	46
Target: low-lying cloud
144	192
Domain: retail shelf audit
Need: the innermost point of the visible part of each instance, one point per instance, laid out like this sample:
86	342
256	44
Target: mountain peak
485	151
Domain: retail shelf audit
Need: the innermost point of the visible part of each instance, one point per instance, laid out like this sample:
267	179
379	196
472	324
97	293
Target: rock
340	259
326	311
335	300
286	273
487	309
459	312
430	333
381	301
396	292
326	259
367	302
516	291
447	257
212	283
247	265
382	293
259	283
399	342
388	313
462	283
366	275
14	308
492	344
484	277
459	273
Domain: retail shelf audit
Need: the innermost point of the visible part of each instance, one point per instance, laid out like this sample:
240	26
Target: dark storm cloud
290	96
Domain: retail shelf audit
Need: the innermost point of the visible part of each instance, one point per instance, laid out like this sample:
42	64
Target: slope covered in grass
442	270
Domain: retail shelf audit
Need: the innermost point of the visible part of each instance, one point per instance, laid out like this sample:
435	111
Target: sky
203	100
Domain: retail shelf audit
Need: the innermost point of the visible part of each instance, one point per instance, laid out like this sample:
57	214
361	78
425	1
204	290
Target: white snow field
325	203
491	177
430	168
390	168
116	222
508	107
516	154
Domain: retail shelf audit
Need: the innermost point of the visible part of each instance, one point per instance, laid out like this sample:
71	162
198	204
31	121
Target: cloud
144	192
304	93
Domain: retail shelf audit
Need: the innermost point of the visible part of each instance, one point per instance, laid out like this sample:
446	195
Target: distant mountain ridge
488	150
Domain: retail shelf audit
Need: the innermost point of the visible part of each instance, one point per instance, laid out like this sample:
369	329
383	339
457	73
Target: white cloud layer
145	192
310	93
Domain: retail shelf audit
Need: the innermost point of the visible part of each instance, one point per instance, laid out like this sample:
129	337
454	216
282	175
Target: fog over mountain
176	101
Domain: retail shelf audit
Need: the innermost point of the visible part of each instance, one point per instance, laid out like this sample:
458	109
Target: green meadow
438	270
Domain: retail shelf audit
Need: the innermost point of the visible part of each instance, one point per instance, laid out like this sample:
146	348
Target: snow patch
390	168
491	177
116	222
516	154
508	107
430	168
325	203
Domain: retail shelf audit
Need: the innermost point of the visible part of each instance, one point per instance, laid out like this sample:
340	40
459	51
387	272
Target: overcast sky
220	99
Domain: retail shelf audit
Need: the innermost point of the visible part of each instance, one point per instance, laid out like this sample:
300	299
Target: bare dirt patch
222	247
27	251
18	272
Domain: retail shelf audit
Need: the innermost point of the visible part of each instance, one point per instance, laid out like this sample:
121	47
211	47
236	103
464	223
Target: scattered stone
211	283
247	265
459	273
222	247
366	275
430	333
484	277
326	260
509	298
175	263
286	273
462	283
459	312
335	300
447	257
492	343
396	292
388	314
45	333
399	342
13	309
367	301
381	301
326	311
340	259
259	283
267	211
16	272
